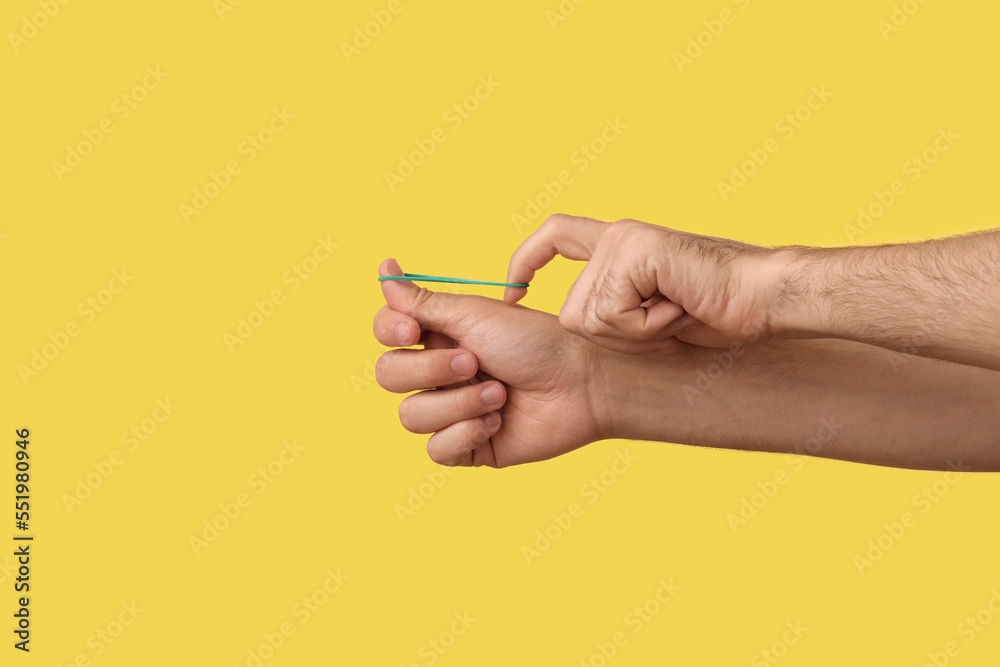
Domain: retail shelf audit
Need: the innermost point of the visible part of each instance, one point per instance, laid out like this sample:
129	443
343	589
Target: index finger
571	236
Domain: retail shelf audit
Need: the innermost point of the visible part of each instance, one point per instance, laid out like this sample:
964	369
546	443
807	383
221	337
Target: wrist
793	295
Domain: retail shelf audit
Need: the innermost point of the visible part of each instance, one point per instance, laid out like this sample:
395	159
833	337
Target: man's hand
645	287
531	398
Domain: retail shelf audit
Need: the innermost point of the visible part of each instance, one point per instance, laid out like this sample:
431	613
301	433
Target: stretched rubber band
418	277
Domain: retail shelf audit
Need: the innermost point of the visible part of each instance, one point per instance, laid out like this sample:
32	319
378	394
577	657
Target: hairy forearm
830	398
938	298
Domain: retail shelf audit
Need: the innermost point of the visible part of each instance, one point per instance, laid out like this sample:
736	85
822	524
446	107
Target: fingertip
389	267
493	393
492	422
464	365
405	334
393	291
389	326
662	314
514	294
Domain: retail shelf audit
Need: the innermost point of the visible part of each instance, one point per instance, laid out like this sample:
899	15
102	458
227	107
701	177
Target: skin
830	398
541	371
645	287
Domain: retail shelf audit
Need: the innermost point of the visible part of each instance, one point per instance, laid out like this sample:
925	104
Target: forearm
828	398
937	298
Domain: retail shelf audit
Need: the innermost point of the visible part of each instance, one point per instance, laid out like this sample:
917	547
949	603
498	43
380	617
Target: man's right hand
645	287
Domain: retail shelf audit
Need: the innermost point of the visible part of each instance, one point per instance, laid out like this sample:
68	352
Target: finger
567	235
636	323
611	306
435	410
432	340
456	444
653	300
406	370
394	329
704	336
682	323
442	312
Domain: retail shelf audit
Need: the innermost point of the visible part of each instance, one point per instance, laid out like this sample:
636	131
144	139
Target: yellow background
305	373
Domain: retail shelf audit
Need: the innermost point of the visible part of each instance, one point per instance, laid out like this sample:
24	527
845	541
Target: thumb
450	314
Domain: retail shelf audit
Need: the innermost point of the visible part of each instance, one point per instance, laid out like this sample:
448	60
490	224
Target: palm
548	410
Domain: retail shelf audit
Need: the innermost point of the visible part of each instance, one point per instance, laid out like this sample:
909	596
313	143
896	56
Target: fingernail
402	333
463	364
492	420
492	394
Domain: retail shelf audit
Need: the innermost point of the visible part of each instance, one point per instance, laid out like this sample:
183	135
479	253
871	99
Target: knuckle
553	220
424	365
422	298
592	325
557	225
631	231
603	309
378	325
459	401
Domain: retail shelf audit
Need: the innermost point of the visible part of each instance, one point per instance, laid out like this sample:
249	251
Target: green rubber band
418	277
